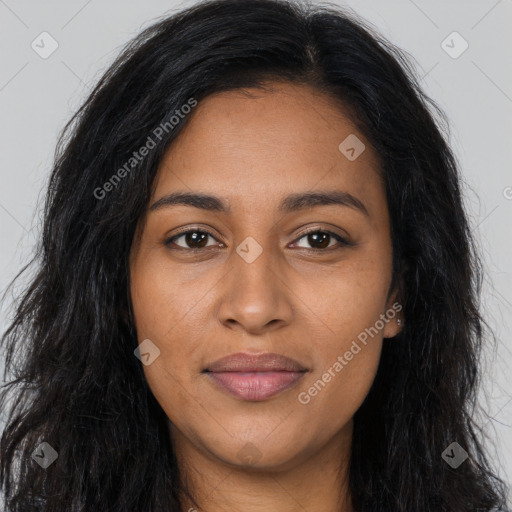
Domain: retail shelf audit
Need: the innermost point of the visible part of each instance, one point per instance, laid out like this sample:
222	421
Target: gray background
37	96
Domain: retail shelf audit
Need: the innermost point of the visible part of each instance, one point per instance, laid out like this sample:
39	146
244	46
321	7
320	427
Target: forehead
260	145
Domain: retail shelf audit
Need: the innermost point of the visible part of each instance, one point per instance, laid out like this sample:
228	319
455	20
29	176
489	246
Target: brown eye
192	239
197	239
320	239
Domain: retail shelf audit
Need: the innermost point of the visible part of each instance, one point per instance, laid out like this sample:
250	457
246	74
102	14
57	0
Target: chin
260	454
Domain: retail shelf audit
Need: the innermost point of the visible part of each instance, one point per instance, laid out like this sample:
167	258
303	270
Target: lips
255	377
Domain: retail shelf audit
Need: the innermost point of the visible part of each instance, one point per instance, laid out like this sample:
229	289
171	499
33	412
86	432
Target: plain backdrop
473	85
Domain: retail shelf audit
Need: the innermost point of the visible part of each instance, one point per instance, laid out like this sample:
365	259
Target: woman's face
250	280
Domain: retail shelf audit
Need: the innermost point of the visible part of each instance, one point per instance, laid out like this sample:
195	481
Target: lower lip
255	386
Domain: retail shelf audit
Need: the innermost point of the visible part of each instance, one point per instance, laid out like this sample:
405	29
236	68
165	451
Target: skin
293	299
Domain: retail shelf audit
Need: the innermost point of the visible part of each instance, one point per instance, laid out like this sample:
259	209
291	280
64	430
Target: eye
197	239
194	239
321	239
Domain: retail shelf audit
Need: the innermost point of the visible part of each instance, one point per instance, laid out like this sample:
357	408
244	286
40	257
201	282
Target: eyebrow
291	203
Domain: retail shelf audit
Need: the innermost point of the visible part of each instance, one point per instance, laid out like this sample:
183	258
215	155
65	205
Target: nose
254	295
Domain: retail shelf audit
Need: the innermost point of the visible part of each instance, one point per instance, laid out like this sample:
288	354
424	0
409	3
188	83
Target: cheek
165	300
333	396
348	340
347	298
173	325
347	353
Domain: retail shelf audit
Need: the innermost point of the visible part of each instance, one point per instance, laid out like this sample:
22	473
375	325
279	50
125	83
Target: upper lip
243	362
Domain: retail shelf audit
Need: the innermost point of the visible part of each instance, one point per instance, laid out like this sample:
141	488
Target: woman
256	287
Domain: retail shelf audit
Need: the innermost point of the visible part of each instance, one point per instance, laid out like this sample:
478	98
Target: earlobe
395	323
394	315
400	324
394	326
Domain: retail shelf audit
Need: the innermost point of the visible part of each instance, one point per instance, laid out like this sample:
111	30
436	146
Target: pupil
313	238
192	238
199	239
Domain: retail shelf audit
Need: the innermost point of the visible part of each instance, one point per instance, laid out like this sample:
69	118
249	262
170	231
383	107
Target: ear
394	310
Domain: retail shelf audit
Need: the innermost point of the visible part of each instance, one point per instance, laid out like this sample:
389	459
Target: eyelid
199	228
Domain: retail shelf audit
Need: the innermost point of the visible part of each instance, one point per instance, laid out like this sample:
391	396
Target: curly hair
70	345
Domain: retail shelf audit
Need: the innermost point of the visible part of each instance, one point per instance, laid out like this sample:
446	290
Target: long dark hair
76	382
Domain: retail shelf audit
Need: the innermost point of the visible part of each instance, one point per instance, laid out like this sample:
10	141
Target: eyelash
342	241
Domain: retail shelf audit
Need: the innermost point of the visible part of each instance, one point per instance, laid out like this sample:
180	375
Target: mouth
255	377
